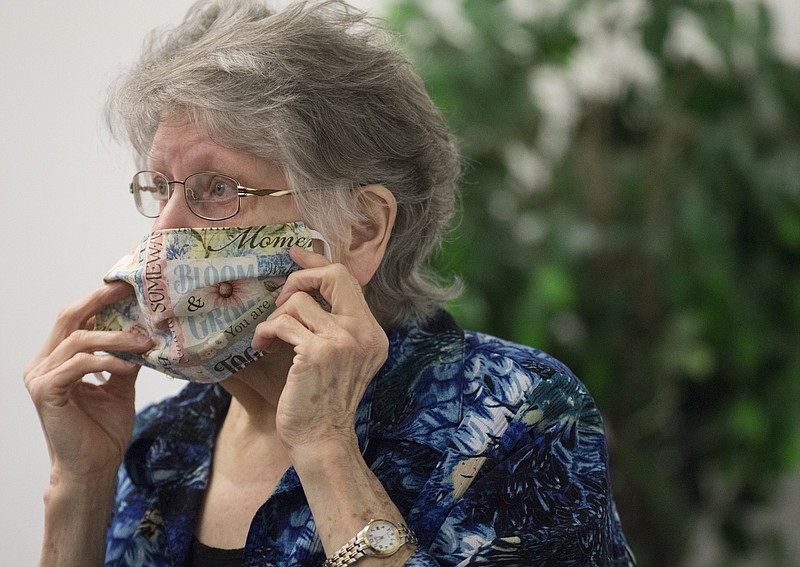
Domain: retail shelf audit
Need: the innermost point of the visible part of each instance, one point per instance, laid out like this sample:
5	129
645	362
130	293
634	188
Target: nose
176	213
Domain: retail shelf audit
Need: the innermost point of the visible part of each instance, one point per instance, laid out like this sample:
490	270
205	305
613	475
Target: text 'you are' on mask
201	292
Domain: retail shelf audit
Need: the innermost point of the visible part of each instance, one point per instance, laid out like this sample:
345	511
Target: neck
255	392
248	438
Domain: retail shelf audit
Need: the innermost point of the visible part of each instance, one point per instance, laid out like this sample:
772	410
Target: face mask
201	292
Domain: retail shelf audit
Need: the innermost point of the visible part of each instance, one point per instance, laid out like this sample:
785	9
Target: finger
77	314
307	310
50	387
333	282
285	328
83	341
307	258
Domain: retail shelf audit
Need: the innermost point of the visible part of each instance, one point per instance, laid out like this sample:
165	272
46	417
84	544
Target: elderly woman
299	177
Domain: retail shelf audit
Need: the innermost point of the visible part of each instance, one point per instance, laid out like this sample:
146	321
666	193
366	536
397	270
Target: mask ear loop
325	246
327	252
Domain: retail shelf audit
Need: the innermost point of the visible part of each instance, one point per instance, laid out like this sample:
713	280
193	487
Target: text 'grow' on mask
201	292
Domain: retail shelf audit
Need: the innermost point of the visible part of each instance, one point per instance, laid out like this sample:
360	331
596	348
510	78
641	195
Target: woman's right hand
87	426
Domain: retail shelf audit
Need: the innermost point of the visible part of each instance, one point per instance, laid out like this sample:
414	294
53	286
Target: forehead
181	147
179	142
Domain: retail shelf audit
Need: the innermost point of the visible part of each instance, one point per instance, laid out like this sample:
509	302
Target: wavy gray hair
319	89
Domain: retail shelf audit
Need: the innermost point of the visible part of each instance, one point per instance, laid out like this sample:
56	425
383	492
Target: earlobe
368	241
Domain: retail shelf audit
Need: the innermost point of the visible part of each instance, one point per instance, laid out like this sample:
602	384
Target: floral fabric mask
201	292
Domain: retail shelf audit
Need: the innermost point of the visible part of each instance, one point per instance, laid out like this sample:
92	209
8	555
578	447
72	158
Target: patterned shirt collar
415	396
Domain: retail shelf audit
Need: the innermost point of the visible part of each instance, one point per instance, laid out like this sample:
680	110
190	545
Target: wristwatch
379	538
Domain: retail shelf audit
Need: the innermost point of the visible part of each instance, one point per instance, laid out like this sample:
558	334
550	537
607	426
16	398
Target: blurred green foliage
631	204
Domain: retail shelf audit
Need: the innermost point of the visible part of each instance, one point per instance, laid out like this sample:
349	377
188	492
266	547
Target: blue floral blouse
493	452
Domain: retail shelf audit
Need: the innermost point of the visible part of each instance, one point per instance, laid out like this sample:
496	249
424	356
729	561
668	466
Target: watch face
383	537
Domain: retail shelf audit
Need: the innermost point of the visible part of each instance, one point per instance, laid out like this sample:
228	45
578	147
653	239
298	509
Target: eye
221	187
162	188
153	186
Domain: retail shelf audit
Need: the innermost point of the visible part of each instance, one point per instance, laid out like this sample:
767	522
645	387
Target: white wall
66	213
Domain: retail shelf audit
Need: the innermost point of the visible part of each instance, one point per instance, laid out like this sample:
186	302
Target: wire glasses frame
209	195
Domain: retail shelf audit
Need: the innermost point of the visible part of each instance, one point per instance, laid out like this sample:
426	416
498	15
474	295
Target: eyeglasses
209	195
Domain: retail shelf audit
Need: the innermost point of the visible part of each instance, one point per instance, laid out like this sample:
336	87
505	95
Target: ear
368	240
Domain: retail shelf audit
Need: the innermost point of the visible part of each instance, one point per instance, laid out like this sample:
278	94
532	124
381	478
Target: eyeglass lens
209	195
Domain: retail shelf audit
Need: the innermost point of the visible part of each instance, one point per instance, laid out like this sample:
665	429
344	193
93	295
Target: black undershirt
204	556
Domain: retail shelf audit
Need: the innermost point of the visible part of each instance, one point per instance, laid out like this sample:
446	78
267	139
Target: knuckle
291	301
290	279
306	299
344	342
68	317
79	336
377	344
283	319
28	376
28	373
34	391
82	358
299	301
35	383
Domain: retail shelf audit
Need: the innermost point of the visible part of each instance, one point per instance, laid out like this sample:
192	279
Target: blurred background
631	204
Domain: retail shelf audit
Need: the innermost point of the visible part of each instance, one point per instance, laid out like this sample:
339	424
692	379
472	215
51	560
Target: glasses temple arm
246	191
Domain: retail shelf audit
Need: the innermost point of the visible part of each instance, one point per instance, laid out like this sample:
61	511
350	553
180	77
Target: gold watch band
359	545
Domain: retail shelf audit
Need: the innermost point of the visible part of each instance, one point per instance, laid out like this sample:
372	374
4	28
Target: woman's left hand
337	351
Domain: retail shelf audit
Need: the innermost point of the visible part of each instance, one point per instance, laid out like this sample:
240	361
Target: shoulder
533	387
538	437
444	386
526	469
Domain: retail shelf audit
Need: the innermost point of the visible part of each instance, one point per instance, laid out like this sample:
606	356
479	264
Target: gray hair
319	89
